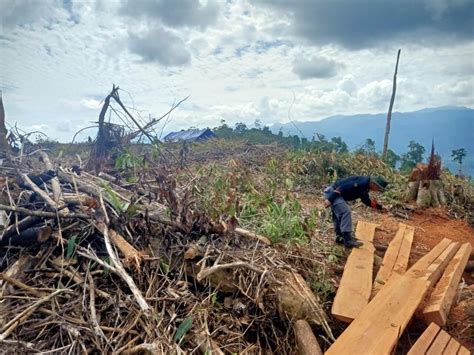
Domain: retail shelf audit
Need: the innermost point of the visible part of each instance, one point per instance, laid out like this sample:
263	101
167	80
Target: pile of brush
90	264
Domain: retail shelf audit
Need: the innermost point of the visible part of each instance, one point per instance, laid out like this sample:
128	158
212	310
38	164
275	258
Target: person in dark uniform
349	189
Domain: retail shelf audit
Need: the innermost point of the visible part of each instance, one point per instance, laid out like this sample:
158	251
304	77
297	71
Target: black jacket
352	188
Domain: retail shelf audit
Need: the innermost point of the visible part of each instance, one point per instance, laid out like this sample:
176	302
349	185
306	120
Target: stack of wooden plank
435	341
378	325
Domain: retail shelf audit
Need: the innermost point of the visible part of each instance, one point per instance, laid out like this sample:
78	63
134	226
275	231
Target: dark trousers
341	214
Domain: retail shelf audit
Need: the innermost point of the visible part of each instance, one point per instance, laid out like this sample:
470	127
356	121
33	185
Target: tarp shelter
189	135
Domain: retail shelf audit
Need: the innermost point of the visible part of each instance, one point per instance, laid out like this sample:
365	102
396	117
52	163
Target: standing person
350	189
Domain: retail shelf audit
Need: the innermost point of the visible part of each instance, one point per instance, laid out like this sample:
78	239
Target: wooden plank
435	270
420	267
377	328
463	351
356	283
379	325
401	264
396	257
439	344
424	341
389	259
452	348
442	297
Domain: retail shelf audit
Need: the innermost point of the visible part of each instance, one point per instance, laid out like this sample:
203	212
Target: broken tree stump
356	283
442	297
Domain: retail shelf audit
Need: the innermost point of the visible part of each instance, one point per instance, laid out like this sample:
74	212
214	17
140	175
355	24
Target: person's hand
327	203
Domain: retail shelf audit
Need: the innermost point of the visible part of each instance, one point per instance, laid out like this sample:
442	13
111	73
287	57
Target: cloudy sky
238	60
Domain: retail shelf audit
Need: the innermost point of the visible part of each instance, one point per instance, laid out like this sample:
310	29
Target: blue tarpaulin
189	135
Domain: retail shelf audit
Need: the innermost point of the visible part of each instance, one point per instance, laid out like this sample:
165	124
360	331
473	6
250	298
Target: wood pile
91	264
378	326
434	341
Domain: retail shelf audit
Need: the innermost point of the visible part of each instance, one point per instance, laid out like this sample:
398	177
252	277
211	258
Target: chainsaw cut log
396	257
305	339
442	297
425	340
356	283
28	237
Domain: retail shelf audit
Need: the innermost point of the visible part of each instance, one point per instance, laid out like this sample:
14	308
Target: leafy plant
183	328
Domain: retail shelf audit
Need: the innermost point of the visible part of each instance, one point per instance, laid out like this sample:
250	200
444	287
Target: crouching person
349	189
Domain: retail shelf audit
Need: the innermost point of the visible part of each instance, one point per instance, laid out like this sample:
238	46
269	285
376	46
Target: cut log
28	237
356	283
294	298
396	257
442	297
378	326
439	343
305	339
297	301
425	340
25	223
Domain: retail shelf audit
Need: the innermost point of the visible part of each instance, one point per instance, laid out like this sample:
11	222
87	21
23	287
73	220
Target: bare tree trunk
389	114
4	146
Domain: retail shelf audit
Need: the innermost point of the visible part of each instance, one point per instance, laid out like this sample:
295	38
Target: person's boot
350	242
339	239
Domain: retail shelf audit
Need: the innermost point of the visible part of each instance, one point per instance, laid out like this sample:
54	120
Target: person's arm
365	198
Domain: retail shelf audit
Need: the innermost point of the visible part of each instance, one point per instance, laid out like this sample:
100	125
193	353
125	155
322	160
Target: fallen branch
209	271
28	212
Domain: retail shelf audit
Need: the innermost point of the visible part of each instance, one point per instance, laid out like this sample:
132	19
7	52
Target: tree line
261	134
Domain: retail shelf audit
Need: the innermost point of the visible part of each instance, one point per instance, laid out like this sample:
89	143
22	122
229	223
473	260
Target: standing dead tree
4	146
110	135
389	114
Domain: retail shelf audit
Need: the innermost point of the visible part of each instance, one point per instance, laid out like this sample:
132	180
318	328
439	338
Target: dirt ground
431	226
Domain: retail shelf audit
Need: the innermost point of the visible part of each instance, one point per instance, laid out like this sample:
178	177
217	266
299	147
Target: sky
238	61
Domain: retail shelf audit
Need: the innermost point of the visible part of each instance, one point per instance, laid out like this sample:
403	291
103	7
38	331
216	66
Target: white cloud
91	104
237	67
